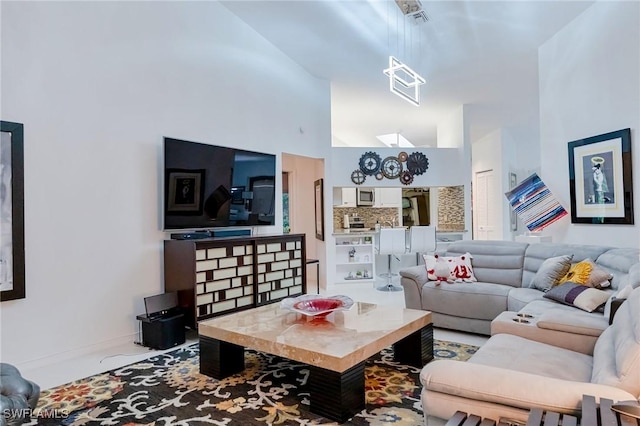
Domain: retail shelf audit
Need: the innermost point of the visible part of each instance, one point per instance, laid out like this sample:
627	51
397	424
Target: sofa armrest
513	388
590	324
412	280
415	273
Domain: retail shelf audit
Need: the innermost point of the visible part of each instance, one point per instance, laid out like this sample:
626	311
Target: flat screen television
210	186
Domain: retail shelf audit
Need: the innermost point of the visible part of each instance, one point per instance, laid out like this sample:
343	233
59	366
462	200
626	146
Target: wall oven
365	196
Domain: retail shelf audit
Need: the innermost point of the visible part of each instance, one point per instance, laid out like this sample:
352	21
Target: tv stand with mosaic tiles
216	276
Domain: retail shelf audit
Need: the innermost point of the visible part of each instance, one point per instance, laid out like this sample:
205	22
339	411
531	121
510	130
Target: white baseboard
75	353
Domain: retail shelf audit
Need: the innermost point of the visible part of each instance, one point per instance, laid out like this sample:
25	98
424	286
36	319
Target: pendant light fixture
404	81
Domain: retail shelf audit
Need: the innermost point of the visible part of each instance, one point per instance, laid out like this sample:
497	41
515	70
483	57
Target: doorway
485	207
298	191
415	207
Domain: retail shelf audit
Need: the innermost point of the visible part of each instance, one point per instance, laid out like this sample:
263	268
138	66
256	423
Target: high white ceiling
479	53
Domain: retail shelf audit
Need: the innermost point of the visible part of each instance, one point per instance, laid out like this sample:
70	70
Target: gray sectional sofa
505	270
510	374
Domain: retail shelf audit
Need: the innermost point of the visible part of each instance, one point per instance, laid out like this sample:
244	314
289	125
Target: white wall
453	132
97	85
590	85
512	149
497	152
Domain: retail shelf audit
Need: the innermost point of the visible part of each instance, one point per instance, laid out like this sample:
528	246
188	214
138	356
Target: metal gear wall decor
405	167
391	168
406	177
358	177
370	163
417	163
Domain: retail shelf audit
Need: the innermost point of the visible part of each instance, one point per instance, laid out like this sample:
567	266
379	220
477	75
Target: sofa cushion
528	356
550	272
578	295
616	356
538	253
623	264
520	297
497	262
477	300
538	307
633	277
578	323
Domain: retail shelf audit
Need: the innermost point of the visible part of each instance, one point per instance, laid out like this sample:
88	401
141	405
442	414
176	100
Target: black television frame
235	191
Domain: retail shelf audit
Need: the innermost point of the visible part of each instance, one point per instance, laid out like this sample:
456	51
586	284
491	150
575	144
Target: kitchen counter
449	236
364	231
355	231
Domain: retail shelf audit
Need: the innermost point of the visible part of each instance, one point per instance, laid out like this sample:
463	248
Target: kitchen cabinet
388	197
344	197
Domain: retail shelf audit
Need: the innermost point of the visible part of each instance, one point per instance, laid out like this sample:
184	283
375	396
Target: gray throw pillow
551	271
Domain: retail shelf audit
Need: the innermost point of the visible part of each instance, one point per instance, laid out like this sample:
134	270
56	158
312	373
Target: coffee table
335	348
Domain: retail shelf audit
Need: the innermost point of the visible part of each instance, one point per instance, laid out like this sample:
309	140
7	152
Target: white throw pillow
459	268
437	267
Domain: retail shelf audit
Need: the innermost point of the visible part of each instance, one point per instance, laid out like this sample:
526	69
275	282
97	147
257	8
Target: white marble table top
336	343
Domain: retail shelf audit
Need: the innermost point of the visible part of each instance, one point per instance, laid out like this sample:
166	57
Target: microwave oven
365	196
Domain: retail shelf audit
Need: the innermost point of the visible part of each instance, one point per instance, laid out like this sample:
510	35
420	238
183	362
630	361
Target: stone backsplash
368	214
451	208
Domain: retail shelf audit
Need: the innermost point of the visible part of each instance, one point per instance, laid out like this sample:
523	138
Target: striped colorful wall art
534	204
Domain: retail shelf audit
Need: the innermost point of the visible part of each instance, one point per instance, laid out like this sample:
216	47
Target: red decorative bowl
316	305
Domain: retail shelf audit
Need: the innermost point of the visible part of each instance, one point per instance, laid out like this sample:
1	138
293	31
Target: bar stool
422	239
392	242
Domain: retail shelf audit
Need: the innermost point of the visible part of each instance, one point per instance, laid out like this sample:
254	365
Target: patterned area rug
168	390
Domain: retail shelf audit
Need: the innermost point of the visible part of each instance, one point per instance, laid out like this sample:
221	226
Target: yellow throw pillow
579	273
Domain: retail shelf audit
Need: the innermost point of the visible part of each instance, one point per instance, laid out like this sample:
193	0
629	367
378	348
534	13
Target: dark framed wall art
12	267
185	191
319	208
600	180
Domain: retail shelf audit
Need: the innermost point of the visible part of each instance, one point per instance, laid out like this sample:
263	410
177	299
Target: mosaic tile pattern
368	214
451	208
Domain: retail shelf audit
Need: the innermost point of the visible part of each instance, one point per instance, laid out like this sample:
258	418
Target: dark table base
335	395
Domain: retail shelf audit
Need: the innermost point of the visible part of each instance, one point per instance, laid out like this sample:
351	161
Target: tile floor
64	372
